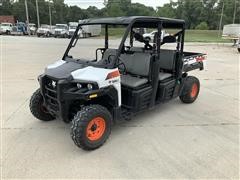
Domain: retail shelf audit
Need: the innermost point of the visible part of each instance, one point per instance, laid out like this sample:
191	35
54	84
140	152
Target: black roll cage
158	23
148	22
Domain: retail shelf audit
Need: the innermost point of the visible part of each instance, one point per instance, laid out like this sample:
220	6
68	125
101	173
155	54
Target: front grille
51	94
57	32
71	33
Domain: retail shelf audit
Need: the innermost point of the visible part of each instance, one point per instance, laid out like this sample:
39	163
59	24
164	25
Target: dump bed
192	60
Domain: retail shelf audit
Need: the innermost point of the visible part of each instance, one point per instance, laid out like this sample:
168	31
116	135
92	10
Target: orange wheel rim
96	128
194	90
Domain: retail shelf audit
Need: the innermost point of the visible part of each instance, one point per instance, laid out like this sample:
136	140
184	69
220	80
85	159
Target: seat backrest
137	49
167	59
109	52
137	63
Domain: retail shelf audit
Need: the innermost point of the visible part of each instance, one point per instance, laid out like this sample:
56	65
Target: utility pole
50	14
26	7
38	20
220	23
235	9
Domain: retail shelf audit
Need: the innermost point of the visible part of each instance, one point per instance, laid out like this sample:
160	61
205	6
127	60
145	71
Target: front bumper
59	34
42	33
59	97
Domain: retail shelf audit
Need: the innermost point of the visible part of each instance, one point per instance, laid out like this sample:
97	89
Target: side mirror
169	39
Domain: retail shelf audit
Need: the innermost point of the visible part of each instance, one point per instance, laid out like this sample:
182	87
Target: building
9	19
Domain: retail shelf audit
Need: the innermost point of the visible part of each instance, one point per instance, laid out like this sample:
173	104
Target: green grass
114	32
206	36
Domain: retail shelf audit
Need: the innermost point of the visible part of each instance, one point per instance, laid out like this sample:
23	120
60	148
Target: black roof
148	21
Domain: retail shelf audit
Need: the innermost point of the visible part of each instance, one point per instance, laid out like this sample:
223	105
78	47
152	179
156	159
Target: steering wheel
121	66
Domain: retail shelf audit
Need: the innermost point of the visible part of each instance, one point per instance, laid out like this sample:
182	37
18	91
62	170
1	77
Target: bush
202	26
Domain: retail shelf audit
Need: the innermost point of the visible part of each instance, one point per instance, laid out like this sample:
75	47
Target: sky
99	3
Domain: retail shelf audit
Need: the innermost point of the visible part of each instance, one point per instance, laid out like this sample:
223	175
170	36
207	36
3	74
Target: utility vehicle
6	28
20	28
92	94
150	36
45	31
32	28
61	30
72	28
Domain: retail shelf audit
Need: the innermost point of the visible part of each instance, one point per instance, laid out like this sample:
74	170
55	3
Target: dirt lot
174	140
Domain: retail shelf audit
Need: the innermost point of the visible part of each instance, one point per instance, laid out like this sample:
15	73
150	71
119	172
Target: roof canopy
140	21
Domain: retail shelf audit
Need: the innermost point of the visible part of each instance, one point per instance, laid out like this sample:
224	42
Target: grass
206	36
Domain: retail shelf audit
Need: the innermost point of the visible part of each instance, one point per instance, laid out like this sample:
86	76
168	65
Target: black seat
108	55
167	63
137	68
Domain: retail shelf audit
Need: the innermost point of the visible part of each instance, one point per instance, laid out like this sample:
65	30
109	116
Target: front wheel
91	127
191	90
239	50
37	107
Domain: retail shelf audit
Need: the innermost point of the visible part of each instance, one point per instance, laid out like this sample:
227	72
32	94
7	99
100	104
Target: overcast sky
99	3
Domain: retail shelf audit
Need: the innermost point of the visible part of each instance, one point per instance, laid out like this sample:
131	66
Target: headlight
82	86
89	86
79	86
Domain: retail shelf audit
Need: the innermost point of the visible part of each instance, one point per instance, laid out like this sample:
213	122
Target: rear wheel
190	90
37	107
91	127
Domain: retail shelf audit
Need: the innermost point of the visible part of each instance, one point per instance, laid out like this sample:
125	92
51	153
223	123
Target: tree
6	7
137	9
167	10
190	11
195	12
202	26
228	14
118	8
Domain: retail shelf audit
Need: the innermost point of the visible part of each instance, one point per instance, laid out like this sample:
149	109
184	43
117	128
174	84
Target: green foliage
6	8
167	10
137	9
202	26
197	13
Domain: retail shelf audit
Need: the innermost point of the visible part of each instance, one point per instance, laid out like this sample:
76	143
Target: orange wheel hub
194	90
96	128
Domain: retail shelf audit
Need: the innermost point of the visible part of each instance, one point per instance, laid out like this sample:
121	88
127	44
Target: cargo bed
192	60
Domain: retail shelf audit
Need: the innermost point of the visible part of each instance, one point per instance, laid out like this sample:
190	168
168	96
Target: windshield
72	27
87	47
5	24
44	26
60	27
31	25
